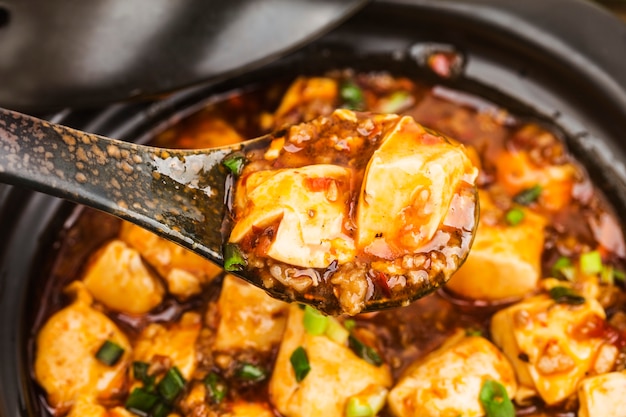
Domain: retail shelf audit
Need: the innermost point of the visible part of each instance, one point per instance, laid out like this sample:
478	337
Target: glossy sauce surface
354	210
514	156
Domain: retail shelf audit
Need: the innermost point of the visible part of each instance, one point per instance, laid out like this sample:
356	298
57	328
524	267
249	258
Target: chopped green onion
619	275
607	275
109	353
140	373
234	260
364	352
564	268
300	363
235	162
591	262
473	332
216	386
140	370
171	385
160	410
141	402
251	372
352	95
528	196
349	324
495	400
358	407
398	100
336	332
514	216
314	322
377	399
565	295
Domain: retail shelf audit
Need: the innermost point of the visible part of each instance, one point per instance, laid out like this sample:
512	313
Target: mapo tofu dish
352	208
533	323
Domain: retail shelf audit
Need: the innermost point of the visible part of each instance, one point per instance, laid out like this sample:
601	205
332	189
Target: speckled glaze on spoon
183	195
178	194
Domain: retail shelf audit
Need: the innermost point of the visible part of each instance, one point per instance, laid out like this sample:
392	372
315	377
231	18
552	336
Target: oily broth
403	334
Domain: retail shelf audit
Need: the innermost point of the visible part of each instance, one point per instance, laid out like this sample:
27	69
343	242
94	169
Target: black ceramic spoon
178	194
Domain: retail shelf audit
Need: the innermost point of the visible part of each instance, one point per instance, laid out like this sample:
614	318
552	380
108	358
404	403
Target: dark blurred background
617	6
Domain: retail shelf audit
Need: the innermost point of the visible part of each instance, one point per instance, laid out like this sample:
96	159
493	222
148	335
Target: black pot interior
521	73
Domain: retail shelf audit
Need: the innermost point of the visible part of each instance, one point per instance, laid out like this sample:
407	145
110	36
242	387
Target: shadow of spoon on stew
349	212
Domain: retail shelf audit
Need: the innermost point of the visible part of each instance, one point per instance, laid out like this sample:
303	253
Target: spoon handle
178	194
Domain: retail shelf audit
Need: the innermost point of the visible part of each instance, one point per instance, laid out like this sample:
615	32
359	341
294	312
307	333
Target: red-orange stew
533	322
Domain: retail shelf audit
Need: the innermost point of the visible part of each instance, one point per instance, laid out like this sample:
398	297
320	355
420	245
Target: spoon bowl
185	196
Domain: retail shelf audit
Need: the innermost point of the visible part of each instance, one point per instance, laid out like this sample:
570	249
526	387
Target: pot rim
30	221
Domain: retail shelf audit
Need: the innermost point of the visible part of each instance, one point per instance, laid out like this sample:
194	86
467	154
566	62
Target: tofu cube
117	277
310	205
603	395
184	271
408	188
65	358
505	260
336	374
448	381
176	342
249	318
551	345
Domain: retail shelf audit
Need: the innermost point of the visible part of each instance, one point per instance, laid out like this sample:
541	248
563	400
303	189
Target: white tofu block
547	344
448	381
409	185
65	358
505	261
336	374
249	318
184	271
311	206
117	277
603	395
177	342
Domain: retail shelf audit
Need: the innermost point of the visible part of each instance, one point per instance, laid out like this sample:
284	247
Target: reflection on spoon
349	212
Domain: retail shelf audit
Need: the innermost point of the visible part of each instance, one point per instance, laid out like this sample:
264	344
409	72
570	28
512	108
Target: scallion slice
314	322
250	372
607	275
140	370
234	260
172	384
528	196
495	400
514	216
109	353
160	410
141	402
235	162
336	332
349	324
216	386
471	332
591	262
358	407
397	101
352	95
140	373
565	295
364	352
564	268
300	363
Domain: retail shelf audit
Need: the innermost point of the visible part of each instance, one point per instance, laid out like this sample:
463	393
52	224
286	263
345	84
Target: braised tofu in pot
533	322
